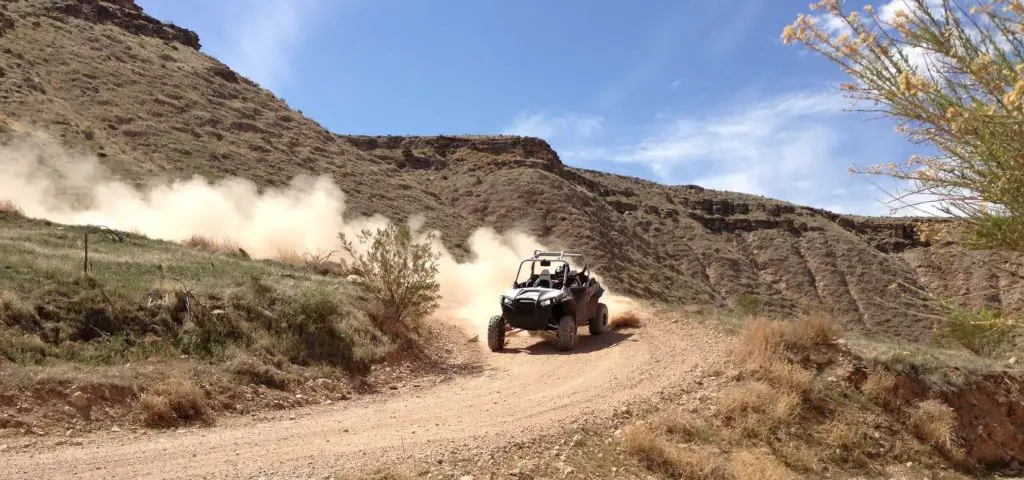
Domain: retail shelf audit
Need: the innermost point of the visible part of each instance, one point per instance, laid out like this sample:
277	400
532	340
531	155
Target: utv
550	304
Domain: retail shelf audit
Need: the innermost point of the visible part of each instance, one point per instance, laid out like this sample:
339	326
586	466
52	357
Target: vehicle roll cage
546	259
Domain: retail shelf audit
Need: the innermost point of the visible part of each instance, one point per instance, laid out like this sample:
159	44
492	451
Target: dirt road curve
526	391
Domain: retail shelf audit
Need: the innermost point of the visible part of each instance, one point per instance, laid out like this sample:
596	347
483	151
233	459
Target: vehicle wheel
496	333
566	333
599	324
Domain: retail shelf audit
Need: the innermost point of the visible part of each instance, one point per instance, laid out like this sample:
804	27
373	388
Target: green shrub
749	305
984	332
397	274
16	312
23	348
321	330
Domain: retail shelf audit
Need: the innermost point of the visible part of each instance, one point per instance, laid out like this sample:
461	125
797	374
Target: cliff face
147	107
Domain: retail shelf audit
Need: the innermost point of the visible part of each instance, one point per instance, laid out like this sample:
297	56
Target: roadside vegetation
184	331
794	408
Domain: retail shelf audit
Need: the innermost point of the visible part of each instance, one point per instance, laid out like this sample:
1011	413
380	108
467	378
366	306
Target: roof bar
560	255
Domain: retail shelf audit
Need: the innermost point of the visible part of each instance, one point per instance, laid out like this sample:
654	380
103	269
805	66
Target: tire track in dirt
528	390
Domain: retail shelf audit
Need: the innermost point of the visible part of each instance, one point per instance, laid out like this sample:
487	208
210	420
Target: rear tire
566	338
496	333
599	324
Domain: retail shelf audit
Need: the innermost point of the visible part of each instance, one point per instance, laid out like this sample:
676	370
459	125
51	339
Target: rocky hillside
107	79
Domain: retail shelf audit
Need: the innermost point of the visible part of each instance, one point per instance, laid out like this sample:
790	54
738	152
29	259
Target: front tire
496	333
566	333
599	324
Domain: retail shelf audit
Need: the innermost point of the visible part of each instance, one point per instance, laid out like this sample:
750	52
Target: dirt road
528	390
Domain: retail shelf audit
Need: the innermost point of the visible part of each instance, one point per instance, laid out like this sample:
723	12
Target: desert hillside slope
104	78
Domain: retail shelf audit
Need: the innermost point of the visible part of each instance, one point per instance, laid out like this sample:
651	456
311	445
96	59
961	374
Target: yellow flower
900	20
1012	98
911	83
788	34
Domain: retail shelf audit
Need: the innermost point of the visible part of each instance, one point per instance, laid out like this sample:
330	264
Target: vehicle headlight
547	302
506	300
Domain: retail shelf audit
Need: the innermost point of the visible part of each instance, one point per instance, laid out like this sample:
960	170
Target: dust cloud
49	183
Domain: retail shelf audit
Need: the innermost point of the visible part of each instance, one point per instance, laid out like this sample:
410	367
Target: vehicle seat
544	280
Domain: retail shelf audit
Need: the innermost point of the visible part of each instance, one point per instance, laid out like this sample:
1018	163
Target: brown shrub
799	455
174	402
756	408
811	330
933	422
381	473
760	341
291	257
659	455
684	427
757	464
879	387
786	376
208	244
11	208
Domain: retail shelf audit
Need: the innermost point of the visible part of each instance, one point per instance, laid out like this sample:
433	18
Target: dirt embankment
526	391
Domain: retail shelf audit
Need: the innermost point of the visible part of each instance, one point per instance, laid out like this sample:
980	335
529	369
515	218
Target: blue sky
681	92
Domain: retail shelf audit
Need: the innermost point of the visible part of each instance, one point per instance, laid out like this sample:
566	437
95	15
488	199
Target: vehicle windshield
534	272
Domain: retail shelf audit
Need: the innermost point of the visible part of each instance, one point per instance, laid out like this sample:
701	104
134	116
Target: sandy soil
526	391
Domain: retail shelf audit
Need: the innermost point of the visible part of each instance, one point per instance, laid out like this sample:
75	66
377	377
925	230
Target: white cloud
547	127
833	24
748	147
260	42
796	147
888	11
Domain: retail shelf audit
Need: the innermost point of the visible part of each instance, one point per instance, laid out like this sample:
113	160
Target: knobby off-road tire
496	333
599	324
566	338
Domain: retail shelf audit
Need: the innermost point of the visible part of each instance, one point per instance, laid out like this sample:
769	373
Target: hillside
105	79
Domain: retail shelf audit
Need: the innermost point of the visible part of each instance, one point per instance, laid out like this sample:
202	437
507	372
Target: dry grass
627	319
762	339
756	408
799	455
211	245
879	387
381	473
174	402
9	207
761	351
684	427
811	330
783	375
760	342
933	422
659	455
757	464
290	257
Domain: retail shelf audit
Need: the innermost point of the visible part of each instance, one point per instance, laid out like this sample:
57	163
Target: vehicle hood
533	293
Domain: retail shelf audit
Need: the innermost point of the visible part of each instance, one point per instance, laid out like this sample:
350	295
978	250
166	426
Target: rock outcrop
124	14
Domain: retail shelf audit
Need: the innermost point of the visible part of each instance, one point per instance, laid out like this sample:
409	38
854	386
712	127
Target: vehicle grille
526	306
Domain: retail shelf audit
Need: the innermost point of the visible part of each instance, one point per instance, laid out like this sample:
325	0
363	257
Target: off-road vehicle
551	305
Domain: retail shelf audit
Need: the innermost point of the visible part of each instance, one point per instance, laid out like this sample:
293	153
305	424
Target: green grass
146	302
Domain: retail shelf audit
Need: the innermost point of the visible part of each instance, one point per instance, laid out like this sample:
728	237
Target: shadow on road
585	343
